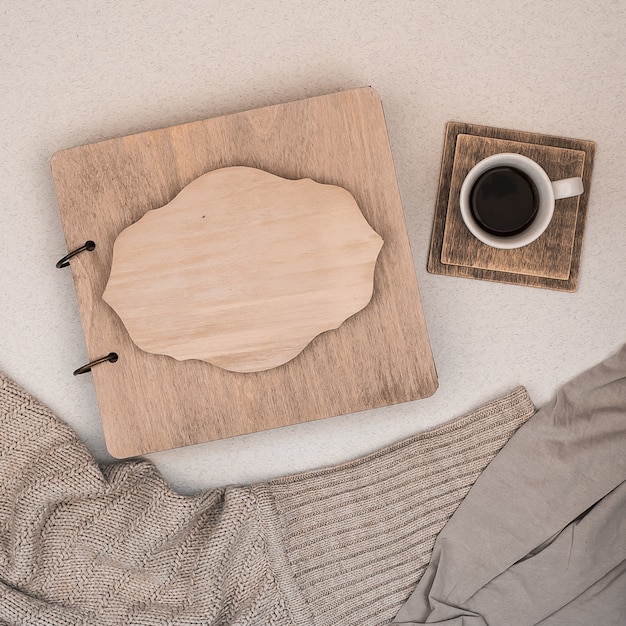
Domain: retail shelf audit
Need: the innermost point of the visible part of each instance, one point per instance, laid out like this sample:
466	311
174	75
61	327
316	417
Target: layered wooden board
553	260
379	356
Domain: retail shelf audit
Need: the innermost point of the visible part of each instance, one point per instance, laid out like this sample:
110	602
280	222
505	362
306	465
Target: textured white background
77	72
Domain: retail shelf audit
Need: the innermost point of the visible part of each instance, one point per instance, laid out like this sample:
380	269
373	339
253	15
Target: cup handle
567	187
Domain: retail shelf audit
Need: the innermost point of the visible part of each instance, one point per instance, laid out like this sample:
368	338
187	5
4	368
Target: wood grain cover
380	356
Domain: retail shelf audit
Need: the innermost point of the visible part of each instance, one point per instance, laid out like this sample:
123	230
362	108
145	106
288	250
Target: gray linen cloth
541	536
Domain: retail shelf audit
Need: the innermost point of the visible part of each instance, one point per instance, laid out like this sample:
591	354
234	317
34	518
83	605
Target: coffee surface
504	201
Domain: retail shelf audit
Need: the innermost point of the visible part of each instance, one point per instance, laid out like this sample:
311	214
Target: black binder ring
65	261
111	358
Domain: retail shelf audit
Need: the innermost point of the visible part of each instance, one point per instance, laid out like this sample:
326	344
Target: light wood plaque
242	269
379	356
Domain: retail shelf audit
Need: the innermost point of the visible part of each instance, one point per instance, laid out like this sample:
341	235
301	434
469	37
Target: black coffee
504	201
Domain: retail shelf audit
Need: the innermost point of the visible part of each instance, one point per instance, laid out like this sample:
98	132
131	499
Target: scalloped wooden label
242	269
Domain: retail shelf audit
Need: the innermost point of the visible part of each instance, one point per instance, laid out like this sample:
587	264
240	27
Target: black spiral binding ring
111	358
65	261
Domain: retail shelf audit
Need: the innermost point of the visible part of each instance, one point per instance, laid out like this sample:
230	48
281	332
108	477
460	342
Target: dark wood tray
553	260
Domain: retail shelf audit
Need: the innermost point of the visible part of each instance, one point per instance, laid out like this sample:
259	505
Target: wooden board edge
457	271
59	154
128	452
441	203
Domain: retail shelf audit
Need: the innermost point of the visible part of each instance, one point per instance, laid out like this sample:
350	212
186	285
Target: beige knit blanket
113	545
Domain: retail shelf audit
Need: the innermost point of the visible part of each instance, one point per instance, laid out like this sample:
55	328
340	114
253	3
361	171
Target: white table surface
76	72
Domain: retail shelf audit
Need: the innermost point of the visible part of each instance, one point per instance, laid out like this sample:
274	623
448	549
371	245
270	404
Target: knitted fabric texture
113	545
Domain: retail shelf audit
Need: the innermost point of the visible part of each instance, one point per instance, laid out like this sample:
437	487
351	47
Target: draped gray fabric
541	536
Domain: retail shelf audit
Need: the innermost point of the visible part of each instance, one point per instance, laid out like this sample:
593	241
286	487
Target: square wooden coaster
379	356
553	260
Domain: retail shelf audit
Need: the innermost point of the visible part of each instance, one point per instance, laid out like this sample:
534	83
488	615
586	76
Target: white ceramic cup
547	190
